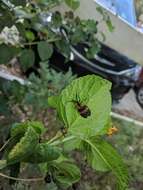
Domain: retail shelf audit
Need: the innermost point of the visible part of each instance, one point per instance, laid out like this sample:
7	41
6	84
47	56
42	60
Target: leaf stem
36	42
58	142
22	179
5	144
58	136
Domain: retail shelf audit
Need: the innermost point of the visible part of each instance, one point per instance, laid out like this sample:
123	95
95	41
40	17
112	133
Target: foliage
130	146
129	142
34	32
89	139
31	34
35	91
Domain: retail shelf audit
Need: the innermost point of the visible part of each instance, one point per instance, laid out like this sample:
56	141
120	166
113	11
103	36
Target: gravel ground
129	107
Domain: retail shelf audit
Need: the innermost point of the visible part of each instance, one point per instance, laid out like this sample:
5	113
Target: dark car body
120	70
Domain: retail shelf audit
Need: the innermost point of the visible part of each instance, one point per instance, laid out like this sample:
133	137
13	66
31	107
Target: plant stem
58	136
34	43
21	179
5	144
58	142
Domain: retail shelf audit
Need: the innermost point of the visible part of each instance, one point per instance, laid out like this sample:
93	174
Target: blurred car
139	89
124	73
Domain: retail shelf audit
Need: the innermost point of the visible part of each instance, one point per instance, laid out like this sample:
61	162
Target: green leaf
18	3
20	128
93	158
17	132
27	59
109	24
53	101
92	51
45	50
65	174
63	47
6	18
30	35
100	10
43	153
24	147
72	144
7	53
73	4
11	144
92	91
106	18
106	156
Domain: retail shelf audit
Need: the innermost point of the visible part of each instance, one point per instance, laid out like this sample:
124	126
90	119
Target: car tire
139	96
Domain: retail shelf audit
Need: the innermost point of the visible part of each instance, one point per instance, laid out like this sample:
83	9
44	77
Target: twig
34	43
21	179
5	144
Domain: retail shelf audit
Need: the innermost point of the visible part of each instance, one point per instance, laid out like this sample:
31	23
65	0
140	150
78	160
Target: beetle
82	109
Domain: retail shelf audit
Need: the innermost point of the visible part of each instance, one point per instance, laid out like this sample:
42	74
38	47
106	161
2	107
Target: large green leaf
93	158
92	91
18	130
45	50
27	59
65	174
74	4
24	147
43	153
103	156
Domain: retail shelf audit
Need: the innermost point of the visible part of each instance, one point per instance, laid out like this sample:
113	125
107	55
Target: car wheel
139	96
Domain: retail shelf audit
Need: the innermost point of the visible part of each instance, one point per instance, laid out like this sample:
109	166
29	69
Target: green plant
130	147
33	95
85	133
84	116
21	102
28	36
25	34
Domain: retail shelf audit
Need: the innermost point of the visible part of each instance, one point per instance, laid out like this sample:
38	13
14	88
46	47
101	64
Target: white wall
124	39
